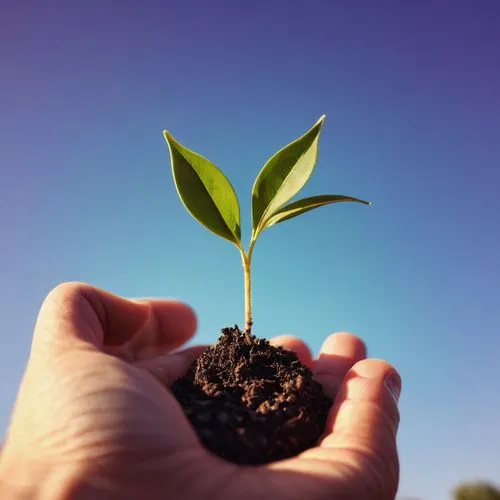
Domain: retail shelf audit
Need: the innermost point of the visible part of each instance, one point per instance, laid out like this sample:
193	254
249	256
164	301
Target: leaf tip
171	142
321	120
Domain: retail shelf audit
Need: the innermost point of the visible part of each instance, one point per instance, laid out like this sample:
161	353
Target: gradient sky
411	91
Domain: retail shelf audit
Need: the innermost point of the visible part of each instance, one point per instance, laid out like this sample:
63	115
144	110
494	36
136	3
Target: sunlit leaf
284	175
300	207
205	191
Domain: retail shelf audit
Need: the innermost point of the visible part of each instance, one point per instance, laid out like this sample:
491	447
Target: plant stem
247	262
248	302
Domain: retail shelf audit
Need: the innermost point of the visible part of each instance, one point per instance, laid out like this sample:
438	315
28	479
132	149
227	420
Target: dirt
252	403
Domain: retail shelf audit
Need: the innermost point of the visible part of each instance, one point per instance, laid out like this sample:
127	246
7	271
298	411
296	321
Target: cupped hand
94	418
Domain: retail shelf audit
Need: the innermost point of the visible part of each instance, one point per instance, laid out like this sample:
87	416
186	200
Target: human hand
94	418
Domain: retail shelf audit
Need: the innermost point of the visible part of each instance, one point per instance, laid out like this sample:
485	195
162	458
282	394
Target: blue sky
412	97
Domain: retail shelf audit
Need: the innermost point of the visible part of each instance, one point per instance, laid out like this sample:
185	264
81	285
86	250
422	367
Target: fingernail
393	384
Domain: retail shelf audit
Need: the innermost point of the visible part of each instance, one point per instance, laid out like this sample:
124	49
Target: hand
94	418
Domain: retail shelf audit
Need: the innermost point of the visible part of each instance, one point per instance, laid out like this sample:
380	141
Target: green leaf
300	207
205	191
284	175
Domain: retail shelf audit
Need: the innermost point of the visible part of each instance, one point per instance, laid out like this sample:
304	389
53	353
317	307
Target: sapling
249	401
210	198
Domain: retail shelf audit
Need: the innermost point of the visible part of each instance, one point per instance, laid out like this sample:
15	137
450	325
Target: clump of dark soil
251	402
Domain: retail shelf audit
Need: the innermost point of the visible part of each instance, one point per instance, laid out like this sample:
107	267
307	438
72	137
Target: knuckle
66	288
385	484
376	471
382	475
65	292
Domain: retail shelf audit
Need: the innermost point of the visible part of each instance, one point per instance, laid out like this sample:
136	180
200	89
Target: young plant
210	198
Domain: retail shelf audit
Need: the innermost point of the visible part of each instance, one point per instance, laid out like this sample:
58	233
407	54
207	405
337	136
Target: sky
411	91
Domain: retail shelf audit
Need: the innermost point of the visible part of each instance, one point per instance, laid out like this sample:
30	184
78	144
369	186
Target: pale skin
94	418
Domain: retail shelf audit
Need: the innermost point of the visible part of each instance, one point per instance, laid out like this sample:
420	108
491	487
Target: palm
306	476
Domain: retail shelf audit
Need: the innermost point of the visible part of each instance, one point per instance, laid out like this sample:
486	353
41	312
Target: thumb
364	422
80	314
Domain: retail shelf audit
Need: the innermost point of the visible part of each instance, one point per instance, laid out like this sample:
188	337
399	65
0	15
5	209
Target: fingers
338	354
364	420
296	345
367	402
80	312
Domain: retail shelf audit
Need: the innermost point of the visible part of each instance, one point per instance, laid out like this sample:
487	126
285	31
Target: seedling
210	198
249	401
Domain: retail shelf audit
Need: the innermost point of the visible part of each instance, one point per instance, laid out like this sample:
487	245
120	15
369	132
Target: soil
252	403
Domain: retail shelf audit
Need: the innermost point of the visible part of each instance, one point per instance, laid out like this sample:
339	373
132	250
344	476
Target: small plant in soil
249	401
